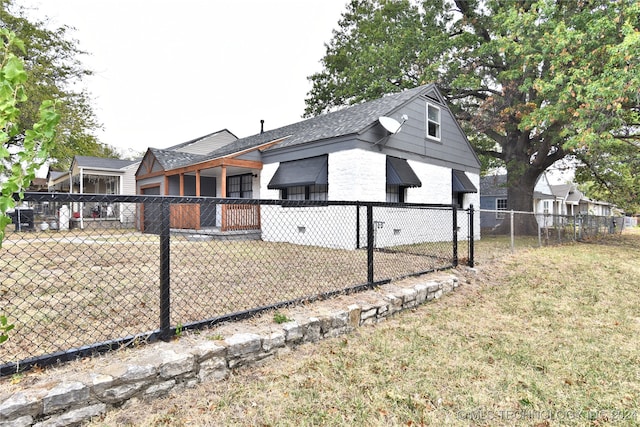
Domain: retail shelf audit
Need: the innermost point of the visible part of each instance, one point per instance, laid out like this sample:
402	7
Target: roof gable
149	163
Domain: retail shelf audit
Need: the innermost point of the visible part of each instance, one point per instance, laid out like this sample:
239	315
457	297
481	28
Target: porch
219	218
212	181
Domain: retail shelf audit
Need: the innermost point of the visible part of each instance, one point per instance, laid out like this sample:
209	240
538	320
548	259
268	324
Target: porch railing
240	217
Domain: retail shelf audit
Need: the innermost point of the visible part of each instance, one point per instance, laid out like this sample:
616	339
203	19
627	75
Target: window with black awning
460	185
400	173
460	182
400	176
304	179
303	172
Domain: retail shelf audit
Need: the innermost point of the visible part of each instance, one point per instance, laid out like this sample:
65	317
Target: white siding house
97	175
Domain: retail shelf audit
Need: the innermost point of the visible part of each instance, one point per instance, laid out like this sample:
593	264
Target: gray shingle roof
347	121
102	163
57	174
170	159
493	185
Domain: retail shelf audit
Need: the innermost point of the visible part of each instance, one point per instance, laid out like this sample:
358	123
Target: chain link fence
505	231
81	274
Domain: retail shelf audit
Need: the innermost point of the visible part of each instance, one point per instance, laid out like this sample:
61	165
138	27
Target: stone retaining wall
156	369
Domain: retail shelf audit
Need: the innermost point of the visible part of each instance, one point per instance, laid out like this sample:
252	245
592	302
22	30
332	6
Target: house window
305	192
458	200
112	185
399	176
318	192
240	186
304	179
433	122
501	205
396	193
545	207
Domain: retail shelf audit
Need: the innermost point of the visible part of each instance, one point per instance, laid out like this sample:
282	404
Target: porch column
182	184
223	183
198	183
223	194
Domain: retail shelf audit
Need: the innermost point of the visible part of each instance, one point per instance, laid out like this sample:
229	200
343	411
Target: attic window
433	122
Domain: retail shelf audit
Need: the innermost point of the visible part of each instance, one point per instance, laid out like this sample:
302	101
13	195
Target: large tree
532	82
55	72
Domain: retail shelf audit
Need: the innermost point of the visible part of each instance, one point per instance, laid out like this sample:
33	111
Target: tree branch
467	10
595	173
491	153
482	93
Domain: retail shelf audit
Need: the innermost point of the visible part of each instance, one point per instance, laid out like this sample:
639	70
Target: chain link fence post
165	270
370	244
454	211
471	238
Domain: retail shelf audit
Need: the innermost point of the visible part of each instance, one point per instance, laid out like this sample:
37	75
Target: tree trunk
520	199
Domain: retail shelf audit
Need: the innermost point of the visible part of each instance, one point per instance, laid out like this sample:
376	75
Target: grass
72	288
546	337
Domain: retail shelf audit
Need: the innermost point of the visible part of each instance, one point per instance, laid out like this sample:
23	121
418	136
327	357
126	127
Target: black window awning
461	183
400	173
313	170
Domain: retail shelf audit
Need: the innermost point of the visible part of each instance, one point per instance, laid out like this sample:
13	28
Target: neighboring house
493	197
56	181
96	175
571	201
38	185
205	144
346	155
493	200
549	201
567	199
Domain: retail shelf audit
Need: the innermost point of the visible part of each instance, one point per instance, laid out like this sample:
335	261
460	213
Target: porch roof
101	163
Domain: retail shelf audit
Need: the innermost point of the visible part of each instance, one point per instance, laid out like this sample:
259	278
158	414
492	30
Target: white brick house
347	155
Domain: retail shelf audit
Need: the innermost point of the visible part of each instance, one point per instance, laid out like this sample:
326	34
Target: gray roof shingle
347	121
102	163
493	185
170	159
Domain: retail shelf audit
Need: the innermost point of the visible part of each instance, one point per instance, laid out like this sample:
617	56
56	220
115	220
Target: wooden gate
185	216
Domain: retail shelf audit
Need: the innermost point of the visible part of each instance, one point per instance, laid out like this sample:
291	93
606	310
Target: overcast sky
168	72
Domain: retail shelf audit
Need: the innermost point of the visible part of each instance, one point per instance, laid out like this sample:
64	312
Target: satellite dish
390	124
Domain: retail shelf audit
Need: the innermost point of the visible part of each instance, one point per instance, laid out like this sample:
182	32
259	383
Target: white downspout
121	191
81	203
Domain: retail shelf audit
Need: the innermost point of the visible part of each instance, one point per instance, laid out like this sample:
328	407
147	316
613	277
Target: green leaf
14	70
